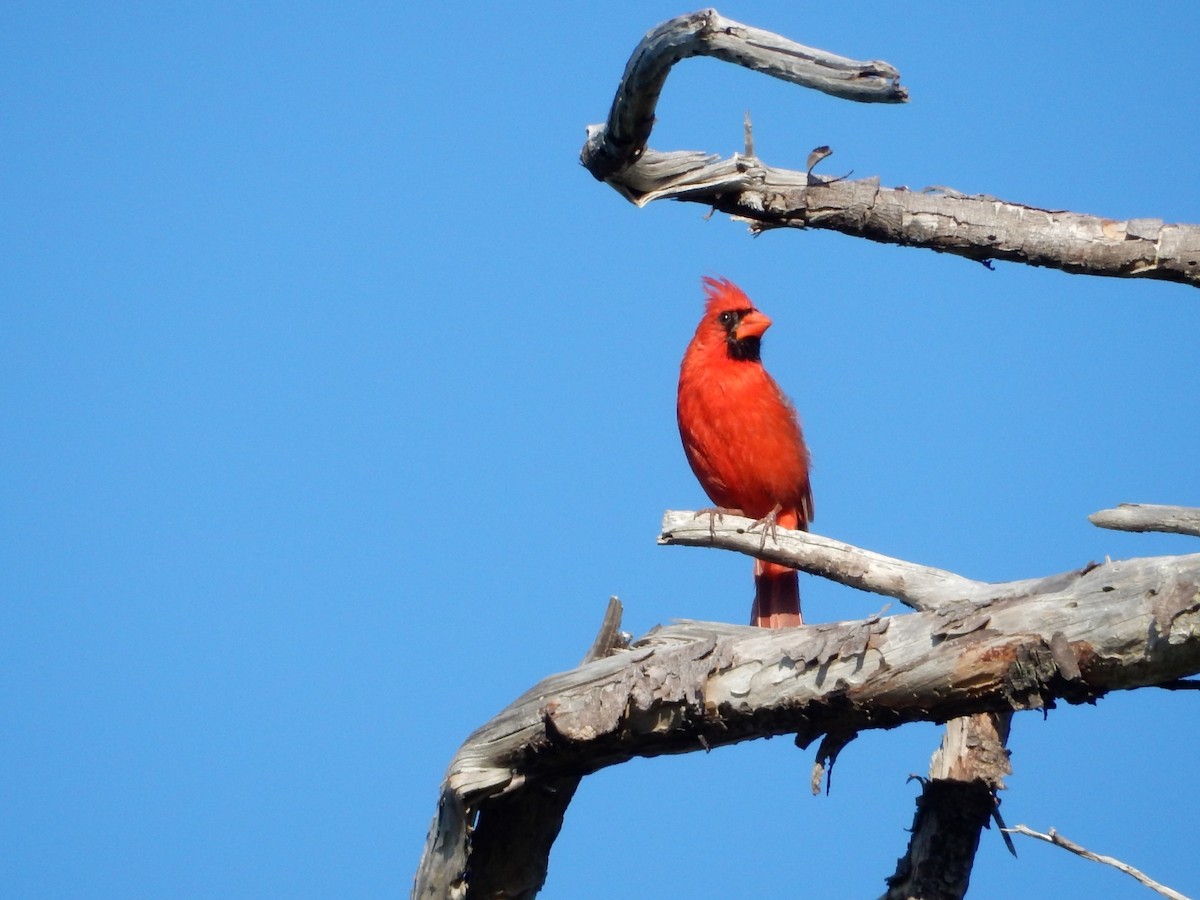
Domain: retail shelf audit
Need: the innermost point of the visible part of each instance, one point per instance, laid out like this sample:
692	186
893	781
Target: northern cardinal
742	438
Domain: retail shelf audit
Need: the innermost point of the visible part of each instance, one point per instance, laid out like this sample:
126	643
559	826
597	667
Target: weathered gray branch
977	227
622	139
916	586
1149	517
696	685
1053	837
505	861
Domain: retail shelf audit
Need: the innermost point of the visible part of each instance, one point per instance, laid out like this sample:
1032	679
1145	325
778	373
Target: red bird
742	438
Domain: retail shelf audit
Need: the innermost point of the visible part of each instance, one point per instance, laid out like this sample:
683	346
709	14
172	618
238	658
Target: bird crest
722	294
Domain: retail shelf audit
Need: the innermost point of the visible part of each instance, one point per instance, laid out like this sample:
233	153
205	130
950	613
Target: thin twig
1053	837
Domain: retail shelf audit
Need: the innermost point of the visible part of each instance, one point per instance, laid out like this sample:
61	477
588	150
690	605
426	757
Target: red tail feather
776	596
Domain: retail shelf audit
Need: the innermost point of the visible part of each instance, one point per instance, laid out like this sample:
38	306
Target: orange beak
752	325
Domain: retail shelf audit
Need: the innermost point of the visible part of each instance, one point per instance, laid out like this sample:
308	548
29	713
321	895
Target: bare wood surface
1053	837
975	226
917	586
1149	517
622	139
696	685
505	861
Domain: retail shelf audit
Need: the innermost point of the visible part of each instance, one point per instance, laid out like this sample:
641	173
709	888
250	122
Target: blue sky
338	399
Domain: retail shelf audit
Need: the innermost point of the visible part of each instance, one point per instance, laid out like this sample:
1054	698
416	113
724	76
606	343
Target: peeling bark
975	649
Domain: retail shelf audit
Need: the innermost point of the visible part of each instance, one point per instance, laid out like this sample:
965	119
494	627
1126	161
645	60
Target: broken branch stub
1149	517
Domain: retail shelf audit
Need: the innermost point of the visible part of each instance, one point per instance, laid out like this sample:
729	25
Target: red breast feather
739	430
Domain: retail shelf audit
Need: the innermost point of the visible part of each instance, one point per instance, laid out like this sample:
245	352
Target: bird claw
769	523
714	513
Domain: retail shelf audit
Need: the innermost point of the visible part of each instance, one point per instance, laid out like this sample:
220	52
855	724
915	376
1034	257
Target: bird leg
714	513
769	523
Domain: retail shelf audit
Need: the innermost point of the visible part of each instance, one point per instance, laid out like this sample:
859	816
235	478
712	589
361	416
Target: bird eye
727	318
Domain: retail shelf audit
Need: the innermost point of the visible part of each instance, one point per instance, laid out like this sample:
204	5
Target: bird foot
769	523
714	513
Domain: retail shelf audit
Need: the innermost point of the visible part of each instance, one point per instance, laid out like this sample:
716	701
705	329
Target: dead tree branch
1149	517
956	803
621	141
977	227
506	861
1053	837
919	587
694	685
